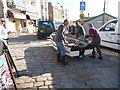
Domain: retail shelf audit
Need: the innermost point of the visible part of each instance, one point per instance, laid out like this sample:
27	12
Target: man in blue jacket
59	42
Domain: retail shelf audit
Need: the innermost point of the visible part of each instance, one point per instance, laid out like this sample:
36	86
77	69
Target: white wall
30	27
44	12
10	25
38	8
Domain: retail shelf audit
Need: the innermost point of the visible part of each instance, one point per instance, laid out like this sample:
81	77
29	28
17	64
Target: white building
57	12
22	15
44	9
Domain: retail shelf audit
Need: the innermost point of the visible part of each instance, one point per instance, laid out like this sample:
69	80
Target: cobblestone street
36	63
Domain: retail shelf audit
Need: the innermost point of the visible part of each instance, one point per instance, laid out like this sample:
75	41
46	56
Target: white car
110	34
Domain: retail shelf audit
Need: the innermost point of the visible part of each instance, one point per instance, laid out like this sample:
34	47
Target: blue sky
93	7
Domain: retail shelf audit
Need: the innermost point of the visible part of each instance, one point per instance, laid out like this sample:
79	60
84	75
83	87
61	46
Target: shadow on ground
24	39
41	64
85	72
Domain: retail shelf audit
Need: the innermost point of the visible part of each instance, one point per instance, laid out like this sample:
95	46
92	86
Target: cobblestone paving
36	62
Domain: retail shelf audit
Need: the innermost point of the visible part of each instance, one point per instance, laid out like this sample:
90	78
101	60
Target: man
72	29
3	31
94	36
59	42
80	32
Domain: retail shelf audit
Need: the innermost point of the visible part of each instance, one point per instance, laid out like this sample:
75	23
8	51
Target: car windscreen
44	24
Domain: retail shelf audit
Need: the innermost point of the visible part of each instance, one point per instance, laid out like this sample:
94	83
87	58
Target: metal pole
104	12
82	18
104	5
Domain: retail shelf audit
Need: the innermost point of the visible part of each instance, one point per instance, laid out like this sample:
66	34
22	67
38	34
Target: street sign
82	15
82	6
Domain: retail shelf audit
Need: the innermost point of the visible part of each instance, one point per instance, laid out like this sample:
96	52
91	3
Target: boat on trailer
76	47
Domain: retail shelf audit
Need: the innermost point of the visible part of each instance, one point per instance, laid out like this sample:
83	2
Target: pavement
38	68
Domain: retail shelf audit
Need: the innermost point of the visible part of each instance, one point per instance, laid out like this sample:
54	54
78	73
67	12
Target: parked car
45	28
110	34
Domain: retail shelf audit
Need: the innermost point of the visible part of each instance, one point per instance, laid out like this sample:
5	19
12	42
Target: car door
107	33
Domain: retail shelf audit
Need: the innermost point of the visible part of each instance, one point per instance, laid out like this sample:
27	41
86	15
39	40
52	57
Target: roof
91	18
101	15
86	19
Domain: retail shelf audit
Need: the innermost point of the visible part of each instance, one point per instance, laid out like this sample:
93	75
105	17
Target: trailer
76	47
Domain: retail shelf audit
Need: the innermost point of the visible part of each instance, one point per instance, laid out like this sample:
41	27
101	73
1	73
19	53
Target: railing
19	3
27	6
30	8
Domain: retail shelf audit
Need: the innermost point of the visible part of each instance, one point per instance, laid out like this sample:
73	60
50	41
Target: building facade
44	9
23	15
98	21
56	12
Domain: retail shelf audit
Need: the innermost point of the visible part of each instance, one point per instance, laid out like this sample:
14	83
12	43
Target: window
34	22
110	26
42	7
25	24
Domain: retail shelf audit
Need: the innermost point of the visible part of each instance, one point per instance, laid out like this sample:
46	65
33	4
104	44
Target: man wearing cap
59	39
80	32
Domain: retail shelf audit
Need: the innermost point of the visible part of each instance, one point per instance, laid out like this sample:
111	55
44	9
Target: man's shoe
58	58
64	61
100	58
92	56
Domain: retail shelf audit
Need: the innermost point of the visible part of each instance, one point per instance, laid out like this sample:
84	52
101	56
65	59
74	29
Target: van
45	28
110	34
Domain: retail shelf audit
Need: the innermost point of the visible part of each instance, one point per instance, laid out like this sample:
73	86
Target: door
107	33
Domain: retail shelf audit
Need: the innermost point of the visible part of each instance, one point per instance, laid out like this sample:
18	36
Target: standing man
80	32
94	36
59	42
72	29
3	32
